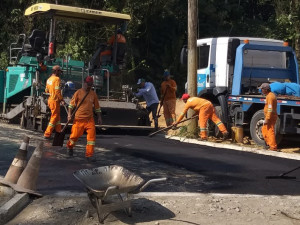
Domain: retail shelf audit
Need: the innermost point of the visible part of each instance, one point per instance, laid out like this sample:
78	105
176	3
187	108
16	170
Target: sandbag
292	89
278	88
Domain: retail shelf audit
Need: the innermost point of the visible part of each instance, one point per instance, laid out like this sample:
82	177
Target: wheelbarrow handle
151	181
108	190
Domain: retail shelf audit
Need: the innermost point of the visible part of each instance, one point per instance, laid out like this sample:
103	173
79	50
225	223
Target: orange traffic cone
27	180
18	164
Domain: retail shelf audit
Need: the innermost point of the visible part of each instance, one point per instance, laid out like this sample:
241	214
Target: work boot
47	138
91	159
225	136
202	139
70	152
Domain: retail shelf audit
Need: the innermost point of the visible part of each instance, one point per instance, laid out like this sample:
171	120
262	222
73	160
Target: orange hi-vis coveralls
270	111
169	87
84	120
120	39
206	111
53	87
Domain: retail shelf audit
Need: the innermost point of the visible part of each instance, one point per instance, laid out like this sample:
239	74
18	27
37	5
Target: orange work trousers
54	122
208	112
78	128
169	111
268	132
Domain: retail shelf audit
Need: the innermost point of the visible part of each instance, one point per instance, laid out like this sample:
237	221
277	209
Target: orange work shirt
120	39
194	103
53	88
85	110
171	91
270	109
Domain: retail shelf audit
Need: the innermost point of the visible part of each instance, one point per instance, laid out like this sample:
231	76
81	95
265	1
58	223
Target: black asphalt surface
189	167
230	171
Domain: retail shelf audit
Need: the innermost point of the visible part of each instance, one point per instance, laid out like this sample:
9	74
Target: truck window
203	56
265	59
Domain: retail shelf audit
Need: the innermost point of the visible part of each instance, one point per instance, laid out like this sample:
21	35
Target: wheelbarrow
111	188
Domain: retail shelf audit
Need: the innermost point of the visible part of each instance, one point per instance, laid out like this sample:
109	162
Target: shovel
161	102
169	127
60	136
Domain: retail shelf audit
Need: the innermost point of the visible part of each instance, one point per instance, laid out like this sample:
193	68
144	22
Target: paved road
189	167
229	171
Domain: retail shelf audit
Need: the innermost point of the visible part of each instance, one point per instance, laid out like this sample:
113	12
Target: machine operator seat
36	42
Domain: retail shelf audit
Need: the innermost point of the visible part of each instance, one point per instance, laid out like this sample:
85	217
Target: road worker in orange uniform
206	111
120	38
84	118
106	54
53	88
168	98
270	111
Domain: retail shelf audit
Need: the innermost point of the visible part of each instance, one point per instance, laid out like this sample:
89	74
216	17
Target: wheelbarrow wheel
128	211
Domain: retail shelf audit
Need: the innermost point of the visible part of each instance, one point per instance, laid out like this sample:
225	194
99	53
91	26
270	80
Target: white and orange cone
19	163
30	174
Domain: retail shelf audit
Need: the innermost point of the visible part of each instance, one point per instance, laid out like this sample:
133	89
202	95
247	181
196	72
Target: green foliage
3	60
157	30
75	48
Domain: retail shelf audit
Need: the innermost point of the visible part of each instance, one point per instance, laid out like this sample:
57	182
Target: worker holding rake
206	111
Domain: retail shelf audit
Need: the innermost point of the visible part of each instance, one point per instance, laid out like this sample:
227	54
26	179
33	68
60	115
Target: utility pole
192	57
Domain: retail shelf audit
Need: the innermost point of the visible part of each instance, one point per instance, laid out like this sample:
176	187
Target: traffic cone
28	178
19	163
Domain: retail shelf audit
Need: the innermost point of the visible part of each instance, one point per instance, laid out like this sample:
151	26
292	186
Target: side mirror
232	46
184	55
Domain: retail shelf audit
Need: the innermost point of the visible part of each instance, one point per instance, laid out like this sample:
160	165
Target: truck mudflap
290	123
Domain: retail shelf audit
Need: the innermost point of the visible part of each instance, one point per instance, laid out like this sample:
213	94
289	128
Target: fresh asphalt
230	171
224	170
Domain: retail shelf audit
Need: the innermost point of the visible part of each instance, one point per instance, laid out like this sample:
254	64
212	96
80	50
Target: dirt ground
168	208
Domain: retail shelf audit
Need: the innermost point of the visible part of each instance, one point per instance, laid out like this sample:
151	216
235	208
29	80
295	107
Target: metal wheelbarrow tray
104	183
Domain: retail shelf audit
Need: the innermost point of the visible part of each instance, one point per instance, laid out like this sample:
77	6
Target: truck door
206	66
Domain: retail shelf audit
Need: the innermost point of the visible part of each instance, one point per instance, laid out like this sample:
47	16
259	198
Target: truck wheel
256	125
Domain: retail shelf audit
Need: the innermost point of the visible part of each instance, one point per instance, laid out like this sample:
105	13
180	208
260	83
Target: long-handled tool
60	136
169	127
162	101
282	175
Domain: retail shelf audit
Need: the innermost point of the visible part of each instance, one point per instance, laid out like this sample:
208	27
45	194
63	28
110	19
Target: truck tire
256	125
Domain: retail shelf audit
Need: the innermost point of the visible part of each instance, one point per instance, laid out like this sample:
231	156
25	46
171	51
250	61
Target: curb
13	206
175	195
234	147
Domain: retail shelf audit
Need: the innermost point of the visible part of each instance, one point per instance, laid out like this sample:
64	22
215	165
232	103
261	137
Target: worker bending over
84	118
270	111
147	90
168	98
53	88
206	111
